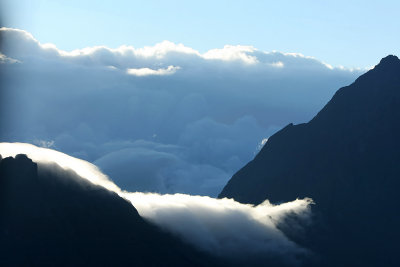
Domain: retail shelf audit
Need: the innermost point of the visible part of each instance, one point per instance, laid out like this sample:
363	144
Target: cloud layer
165	118
220	226
223	226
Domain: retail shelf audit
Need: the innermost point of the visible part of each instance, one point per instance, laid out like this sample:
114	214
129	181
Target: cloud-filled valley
222	227
165	118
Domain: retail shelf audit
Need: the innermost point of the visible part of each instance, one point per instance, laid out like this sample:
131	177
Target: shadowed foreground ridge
347	159
50	216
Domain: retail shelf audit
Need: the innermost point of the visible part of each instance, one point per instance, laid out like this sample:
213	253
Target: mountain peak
389	60
386	73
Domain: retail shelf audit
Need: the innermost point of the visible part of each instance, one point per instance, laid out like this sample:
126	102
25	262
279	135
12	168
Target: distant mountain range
347	159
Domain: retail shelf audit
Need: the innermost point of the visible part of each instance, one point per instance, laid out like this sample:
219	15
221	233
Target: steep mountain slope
347	159
50	216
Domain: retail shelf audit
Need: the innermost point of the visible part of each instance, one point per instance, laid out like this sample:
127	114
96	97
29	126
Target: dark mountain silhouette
347	159
50	216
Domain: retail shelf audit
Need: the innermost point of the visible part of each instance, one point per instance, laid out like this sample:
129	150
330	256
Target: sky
341	33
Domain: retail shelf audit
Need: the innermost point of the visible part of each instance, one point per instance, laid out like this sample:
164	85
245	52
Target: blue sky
349	33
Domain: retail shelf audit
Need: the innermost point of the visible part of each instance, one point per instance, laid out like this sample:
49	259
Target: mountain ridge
52	216
347	160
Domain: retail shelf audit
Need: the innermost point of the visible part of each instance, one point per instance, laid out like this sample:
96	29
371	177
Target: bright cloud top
127	56
146	71
230	53
220	226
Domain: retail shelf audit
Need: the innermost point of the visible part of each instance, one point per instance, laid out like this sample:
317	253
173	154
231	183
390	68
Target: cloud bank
222	227
165	118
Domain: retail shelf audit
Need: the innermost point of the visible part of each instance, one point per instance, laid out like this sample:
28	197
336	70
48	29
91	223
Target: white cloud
44	143
223	227
189	125
261	144
4	59
329	66
160	50
146	71
278	64
128	55
232	53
